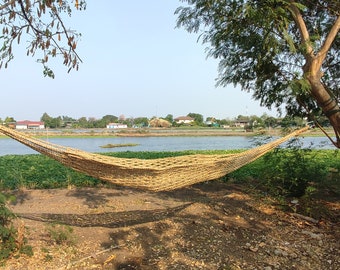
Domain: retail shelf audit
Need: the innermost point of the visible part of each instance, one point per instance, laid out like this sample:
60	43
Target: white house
184	120
116	125
29	125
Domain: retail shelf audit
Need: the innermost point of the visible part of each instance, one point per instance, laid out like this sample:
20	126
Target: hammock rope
151	174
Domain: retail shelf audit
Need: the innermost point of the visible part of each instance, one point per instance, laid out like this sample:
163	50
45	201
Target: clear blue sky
135	63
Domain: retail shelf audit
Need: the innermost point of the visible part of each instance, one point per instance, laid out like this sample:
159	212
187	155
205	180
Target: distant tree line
249	122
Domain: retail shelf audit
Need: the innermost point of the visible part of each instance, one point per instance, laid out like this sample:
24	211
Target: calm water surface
9	146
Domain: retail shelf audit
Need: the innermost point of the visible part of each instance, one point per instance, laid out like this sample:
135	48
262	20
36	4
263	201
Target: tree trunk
312	69
327	103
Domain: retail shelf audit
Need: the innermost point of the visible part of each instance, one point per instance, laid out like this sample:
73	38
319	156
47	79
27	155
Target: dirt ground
212	225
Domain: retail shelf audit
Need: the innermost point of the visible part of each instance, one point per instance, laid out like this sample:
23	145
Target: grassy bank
285	170
38	171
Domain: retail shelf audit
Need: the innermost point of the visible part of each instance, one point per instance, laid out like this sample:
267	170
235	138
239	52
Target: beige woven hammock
155	174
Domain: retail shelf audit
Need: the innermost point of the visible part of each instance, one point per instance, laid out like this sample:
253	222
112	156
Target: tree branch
66	34
37	31
329	40
301	26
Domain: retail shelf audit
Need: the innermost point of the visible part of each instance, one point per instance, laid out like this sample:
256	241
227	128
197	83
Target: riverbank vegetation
283	172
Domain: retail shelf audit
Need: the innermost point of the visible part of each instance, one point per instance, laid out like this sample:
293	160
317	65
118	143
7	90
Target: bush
11	239
7	231
290	172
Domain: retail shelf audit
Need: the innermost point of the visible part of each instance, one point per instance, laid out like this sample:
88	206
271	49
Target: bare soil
213	225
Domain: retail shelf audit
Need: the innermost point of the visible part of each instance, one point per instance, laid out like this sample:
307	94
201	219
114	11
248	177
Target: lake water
9	146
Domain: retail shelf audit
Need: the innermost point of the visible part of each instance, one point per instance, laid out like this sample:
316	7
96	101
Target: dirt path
208	226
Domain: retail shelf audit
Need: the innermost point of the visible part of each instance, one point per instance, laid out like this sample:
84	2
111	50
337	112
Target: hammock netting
151	174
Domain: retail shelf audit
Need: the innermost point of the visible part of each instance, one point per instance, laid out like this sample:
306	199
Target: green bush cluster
293	171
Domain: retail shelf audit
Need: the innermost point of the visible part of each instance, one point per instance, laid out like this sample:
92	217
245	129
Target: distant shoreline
159	132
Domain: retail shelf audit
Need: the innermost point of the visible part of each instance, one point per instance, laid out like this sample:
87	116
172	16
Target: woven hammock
152	174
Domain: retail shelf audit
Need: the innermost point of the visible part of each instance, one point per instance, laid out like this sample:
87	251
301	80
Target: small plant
48	257
61	234
27	250
12	240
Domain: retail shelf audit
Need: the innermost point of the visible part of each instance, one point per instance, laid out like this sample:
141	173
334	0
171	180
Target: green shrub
288	173
292	171
12	240
7	231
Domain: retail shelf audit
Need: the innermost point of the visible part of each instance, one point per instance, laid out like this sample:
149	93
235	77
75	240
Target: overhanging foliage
284	52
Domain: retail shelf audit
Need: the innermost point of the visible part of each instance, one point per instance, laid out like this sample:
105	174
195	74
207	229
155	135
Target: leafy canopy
259	46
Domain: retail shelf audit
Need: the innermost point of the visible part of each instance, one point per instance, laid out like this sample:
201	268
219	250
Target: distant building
29	125
184	120
116	125
241	123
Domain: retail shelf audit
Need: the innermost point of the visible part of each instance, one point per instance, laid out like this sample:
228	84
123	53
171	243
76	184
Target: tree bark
327	103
